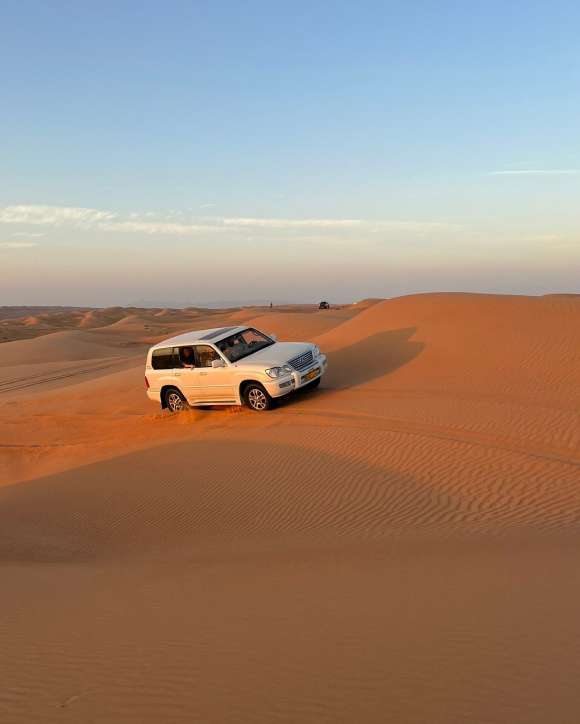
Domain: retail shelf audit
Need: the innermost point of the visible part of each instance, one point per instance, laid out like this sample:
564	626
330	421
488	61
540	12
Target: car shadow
369	359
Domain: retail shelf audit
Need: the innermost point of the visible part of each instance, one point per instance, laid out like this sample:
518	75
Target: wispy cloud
292	223
158	227
152	223
415	226
29	234
537	172
52	215
17	244
337	224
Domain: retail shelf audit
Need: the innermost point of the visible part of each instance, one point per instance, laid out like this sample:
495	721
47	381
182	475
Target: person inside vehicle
231	347
187	357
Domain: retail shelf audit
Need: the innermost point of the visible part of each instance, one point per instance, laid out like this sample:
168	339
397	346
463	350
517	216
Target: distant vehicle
229	366
324	305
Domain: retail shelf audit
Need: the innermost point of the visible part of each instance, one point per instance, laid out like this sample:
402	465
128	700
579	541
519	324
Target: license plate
311	375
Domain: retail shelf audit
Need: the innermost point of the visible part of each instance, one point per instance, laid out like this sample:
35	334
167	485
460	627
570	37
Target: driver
231	347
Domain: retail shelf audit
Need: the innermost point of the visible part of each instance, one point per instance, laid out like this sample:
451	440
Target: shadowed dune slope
283	491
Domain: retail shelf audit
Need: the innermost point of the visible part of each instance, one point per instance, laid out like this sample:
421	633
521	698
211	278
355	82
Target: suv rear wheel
174	400
256	398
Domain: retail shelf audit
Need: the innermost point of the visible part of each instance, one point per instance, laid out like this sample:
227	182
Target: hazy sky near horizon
199	151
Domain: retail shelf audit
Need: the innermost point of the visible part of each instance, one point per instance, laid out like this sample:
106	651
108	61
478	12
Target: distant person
270	305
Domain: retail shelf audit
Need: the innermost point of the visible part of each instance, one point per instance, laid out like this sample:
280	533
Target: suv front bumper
289	383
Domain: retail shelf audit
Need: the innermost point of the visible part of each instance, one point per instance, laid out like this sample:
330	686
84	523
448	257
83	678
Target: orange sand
398	546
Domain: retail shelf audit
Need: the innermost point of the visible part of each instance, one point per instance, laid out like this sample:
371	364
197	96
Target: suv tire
256	397
173	400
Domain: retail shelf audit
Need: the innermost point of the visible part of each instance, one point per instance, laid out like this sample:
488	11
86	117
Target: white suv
229	366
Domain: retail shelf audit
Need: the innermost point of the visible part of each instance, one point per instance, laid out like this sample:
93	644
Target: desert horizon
397	545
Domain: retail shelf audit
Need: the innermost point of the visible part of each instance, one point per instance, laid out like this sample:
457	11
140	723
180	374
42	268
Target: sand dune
46	321
286	325
399	545
56	347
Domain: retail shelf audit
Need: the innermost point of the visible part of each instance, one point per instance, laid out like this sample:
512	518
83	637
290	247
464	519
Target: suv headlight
316	351
279	371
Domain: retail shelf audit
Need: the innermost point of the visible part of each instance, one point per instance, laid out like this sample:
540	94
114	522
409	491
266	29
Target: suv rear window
164	359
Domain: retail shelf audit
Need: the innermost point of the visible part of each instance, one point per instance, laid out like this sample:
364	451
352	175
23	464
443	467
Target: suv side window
205	355
163	359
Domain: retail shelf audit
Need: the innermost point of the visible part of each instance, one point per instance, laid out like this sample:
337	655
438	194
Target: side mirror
218	363
274	337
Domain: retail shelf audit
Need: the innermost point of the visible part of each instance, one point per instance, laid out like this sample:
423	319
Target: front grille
302	361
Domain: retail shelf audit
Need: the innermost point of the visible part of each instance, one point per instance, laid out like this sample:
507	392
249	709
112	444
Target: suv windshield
242	344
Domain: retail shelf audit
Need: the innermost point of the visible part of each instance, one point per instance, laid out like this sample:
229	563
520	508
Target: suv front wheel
256	397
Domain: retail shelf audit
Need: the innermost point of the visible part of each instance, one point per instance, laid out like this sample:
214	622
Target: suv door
218	384
188	378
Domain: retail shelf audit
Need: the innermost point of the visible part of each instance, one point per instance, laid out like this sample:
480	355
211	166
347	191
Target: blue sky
209	150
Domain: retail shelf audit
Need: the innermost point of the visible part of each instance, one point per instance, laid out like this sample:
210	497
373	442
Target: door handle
177	374
203	373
